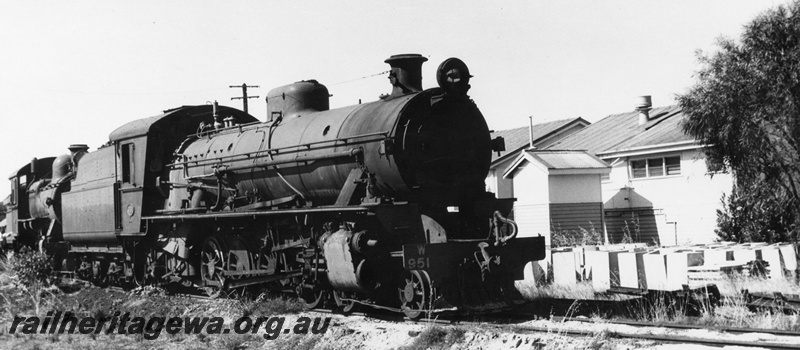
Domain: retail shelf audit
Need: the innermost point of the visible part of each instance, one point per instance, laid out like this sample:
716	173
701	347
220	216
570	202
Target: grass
734	313
33	297
734	284
731	312
580	290
265	304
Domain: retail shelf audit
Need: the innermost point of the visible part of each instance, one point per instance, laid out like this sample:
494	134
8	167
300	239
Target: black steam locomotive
380	203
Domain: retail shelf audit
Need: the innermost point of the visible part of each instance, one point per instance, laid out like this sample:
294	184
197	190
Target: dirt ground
343	332
279	323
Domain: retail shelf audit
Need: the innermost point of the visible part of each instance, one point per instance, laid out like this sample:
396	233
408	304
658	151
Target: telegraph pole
244	94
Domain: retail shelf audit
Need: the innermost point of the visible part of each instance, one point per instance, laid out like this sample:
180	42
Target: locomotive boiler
380	204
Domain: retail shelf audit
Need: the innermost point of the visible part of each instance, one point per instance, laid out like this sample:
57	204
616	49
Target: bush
32	267
748	215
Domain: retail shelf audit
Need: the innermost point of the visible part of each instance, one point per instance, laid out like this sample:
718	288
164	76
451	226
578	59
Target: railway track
559	325
519	322
732	330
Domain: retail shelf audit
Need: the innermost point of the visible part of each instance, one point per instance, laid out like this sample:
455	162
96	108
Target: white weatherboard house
659	189
519	139
557	191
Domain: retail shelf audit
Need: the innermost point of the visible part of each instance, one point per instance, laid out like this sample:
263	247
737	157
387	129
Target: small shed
558	191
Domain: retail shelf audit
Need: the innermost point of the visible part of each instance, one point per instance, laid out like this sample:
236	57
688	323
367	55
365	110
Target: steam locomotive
380	204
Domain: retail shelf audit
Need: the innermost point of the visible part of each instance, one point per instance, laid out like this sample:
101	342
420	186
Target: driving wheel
212	265
414	291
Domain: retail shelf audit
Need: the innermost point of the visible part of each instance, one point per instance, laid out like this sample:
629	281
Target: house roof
622	132
561	162
519	138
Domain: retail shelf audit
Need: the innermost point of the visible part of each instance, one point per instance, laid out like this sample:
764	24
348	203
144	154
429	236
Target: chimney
643	106
217	118
530	132
406	73
77	151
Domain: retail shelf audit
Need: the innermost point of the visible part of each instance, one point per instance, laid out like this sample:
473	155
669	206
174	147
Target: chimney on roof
643	106
530	132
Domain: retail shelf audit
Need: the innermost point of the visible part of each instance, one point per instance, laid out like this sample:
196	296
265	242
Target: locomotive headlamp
453	76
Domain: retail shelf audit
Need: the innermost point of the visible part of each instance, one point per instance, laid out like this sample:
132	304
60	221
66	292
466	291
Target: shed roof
619	132
562	159
561	162
519	138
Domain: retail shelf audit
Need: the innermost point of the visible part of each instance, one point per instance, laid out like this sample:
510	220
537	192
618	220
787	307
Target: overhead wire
364	77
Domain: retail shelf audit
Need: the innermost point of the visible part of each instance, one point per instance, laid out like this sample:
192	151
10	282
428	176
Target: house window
672	165
639	168
654	167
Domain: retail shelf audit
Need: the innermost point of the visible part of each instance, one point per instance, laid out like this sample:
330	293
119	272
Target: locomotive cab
27	218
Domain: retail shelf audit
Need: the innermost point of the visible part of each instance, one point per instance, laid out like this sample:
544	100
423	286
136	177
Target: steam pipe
349	153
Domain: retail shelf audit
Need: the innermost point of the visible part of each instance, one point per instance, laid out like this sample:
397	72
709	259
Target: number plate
415	257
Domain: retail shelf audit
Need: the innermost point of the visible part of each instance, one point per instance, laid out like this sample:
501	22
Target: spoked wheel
83	270
312	298
415	293
345	306
212	261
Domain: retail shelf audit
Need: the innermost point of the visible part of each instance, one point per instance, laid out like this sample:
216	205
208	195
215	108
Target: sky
73	71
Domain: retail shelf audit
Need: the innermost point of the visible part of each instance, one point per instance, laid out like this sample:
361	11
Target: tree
746	107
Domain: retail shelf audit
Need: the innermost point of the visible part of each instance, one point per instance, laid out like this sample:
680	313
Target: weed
562	340
5	261
626	234
437	337
573	238
31	267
